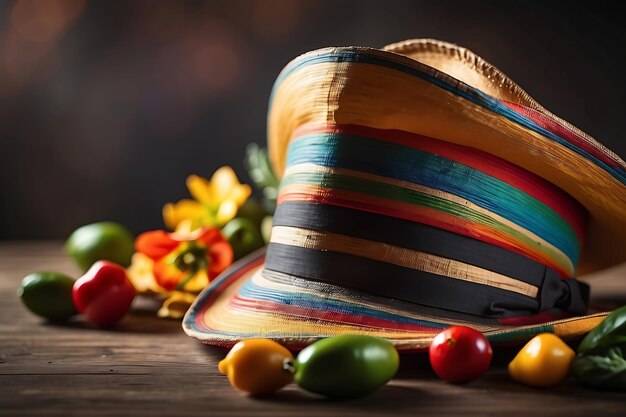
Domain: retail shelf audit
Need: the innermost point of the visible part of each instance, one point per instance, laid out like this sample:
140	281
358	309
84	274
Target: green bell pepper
600	362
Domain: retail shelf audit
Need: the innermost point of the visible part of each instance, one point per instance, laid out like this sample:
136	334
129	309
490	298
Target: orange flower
185	260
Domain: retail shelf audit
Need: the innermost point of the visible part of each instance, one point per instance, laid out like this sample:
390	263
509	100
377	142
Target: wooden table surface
148	366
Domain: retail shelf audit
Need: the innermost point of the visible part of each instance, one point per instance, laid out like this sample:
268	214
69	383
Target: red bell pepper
103	294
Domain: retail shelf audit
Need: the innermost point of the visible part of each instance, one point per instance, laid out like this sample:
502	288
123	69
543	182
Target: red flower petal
210	236
167	275
222	256
155	244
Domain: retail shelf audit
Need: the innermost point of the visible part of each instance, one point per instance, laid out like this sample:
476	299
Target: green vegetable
243	235
606	371
101	241
252	210
600	362
346	366
262	174
48	294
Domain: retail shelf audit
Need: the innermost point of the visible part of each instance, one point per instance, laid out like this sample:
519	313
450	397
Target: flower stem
182	283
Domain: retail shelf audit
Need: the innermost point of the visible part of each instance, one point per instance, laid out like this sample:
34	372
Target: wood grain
148	366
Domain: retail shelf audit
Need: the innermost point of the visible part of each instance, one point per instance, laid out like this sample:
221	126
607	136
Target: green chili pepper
345	366
600	362
48	294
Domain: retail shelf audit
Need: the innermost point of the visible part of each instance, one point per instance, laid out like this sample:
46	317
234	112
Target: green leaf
611	332
259	167
606	371
262	175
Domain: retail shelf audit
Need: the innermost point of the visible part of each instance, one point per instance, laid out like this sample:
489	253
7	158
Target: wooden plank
148	366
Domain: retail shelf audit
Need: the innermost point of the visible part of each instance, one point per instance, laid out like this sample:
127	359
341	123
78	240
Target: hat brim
242	304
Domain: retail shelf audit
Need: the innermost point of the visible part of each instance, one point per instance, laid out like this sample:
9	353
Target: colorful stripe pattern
519	114
415	178
246	302
432	220
396	255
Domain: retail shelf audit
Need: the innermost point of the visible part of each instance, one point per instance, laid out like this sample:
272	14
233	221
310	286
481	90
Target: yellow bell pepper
543	362
256	366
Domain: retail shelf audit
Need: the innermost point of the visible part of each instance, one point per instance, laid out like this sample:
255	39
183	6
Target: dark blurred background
107	106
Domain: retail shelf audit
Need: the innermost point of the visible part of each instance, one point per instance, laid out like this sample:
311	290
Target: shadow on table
139	323
569	388
396	395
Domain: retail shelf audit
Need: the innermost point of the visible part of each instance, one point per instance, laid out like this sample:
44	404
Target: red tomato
103	294
460	354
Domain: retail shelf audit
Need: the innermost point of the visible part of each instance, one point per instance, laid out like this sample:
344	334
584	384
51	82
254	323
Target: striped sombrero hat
421	188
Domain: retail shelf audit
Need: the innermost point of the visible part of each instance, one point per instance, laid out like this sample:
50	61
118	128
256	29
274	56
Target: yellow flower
215	202
176	305
140	274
